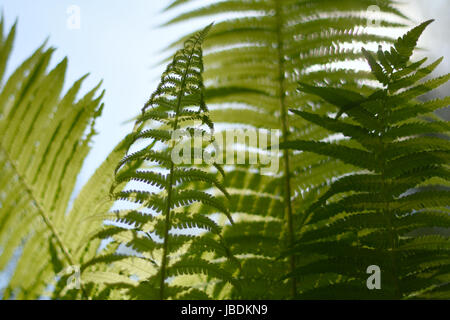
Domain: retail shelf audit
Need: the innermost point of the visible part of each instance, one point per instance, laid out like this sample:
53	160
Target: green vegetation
363	177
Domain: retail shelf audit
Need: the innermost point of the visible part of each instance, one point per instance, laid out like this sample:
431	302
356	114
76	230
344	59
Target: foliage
44	139
363	174
155	230
255	58
378	215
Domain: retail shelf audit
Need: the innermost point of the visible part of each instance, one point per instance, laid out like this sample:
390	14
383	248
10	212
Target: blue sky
119	42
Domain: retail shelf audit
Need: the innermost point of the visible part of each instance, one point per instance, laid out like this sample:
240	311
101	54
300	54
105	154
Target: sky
119	41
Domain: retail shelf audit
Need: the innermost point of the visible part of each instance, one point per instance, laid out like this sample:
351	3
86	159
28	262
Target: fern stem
166	236
43	215
170	185
386	210
285	133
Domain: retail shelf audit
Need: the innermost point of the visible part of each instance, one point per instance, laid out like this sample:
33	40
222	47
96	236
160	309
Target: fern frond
169	205
378	216
44	138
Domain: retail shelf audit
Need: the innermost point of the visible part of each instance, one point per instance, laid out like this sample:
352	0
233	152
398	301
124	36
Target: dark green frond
380	215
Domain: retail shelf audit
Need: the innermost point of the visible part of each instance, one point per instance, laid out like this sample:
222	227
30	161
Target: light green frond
44	140
169	205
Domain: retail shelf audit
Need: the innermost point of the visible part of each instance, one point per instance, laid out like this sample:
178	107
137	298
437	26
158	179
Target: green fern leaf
44	140
152	231
378	216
